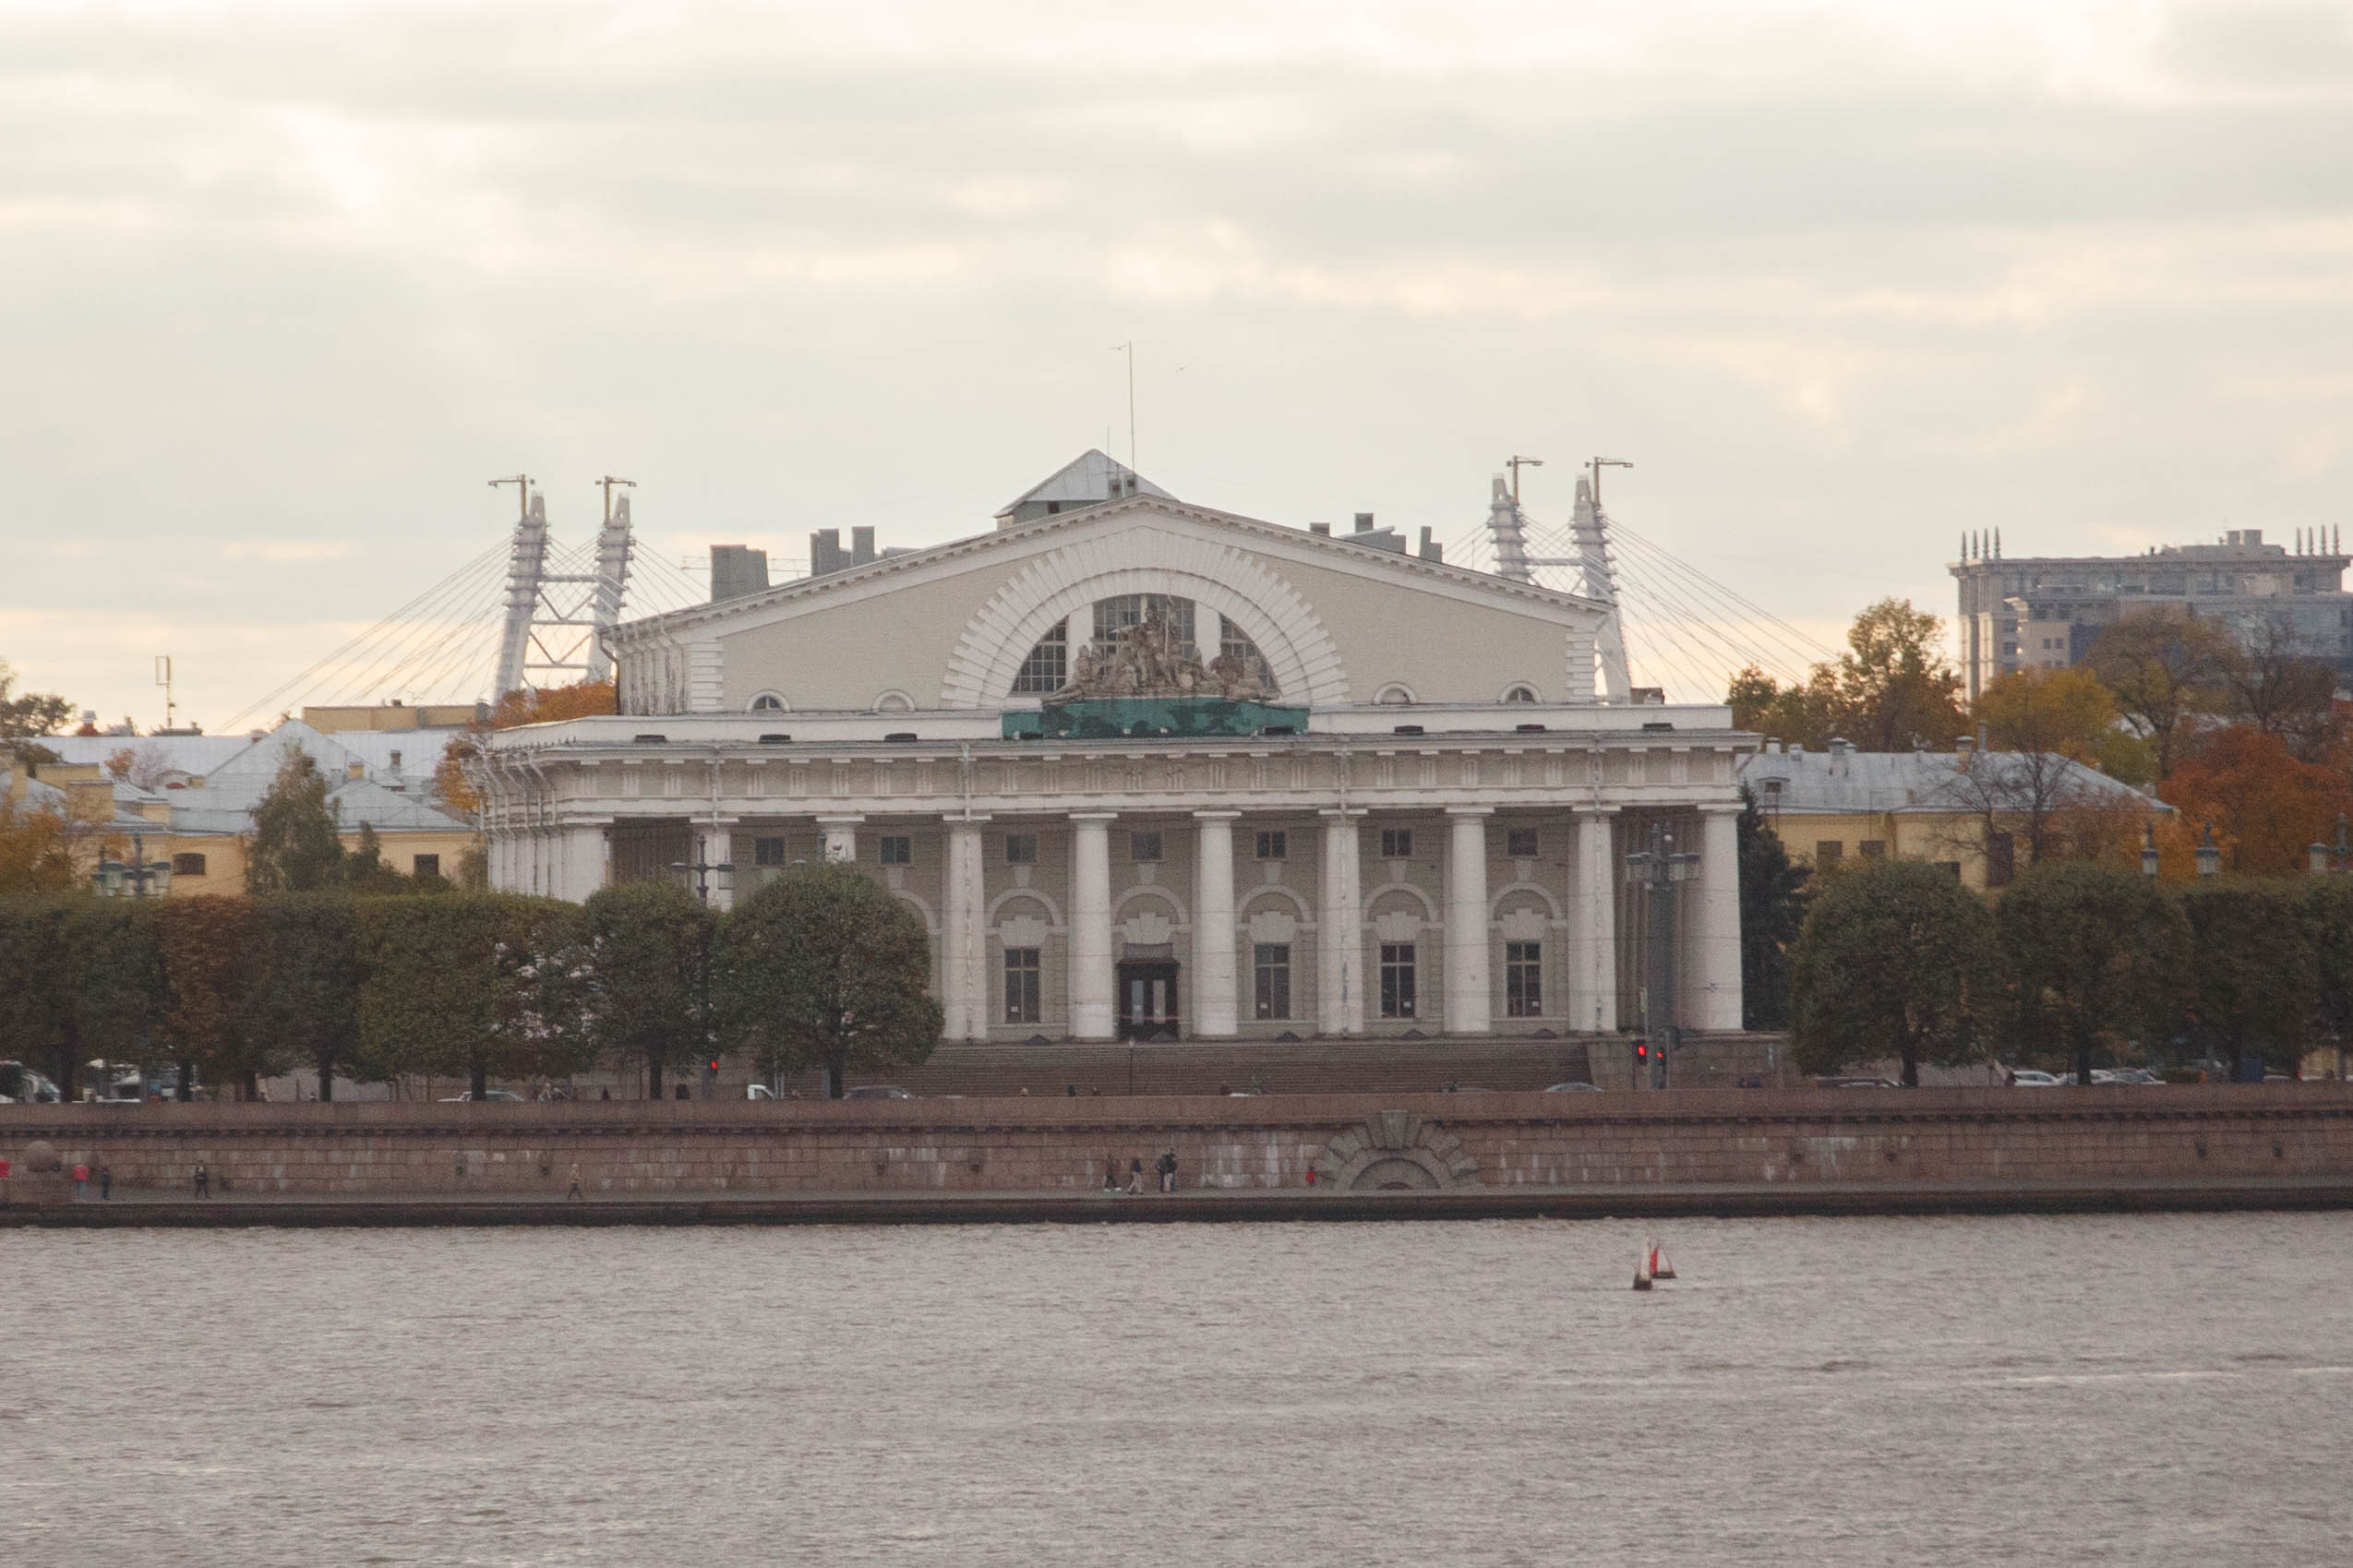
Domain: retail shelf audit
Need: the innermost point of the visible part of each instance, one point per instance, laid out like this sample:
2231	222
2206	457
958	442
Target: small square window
1396	843
1274	845
767	851
1829	851
1021	849
898	851
426	866
1521	842
1144	847
187	865
1872	849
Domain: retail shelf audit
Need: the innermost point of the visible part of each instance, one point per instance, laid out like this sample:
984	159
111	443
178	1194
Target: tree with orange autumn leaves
582	700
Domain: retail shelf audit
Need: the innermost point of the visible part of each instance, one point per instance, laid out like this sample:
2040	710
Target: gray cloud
298	280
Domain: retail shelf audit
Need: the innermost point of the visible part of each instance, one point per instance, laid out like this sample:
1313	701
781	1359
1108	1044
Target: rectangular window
1521	844
1828	852
2001	859
1270	979
1144	847
1021	985
1274	845
1524	979
1396	843
767	851
1872	849
187	865
1396	979
898	851
423	866
1021	849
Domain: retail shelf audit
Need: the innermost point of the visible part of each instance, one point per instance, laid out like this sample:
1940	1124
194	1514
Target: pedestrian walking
81	1182
1167	1167
105	1183
203	1180
1135	1175
575	1191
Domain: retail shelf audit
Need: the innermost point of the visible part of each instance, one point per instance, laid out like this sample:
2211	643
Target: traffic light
1641	1050
710	1066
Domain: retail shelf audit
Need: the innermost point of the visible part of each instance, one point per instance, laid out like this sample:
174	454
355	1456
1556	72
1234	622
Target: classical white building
1148	769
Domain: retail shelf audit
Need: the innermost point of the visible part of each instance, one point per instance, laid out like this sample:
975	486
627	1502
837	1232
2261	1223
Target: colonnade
1709	921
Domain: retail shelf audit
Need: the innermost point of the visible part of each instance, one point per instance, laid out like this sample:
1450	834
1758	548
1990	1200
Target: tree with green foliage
1892	690
305	976
2328	932
36	986
2097	958
296	846
824	967
25	717
115	969
2253	974
472	986
1896	958
2163	676
650	945
1772	908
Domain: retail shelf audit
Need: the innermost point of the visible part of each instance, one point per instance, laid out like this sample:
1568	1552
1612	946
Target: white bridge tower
556	621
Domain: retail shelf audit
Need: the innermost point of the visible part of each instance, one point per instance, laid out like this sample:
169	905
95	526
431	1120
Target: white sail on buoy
1660	1267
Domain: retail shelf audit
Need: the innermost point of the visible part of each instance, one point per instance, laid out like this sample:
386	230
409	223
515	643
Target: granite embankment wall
1356	1143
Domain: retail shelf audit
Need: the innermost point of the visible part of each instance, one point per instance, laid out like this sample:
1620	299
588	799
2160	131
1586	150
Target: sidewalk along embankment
1798	1147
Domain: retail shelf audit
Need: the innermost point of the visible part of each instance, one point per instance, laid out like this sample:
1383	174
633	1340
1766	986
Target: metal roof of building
1843	781
1087	479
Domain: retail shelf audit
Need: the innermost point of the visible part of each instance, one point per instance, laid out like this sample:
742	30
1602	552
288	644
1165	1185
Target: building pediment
1333	621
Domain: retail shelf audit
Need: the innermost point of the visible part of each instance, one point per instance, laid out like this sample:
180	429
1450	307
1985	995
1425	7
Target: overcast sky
283	285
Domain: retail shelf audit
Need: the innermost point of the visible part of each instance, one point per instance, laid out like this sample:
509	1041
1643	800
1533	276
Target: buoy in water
1642	1270
1659	1267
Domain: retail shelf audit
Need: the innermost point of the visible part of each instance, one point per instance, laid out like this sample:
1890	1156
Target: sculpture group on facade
1151	659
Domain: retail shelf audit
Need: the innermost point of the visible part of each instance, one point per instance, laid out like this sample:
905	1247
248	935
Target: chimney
1961	747
861	545
1323	528
736	570
1363	522
825	552
1431	549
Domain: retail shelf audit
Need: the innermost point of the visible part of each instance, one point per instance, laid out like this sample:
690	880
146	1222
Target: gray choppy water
2142	1390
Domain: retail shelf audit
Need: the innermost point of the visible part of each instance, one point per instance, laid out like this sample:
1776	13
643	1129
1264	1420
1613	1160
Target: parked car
21	1082
1573	1089
1855	1080
496	1096
878	1092
758	1092
2030	1078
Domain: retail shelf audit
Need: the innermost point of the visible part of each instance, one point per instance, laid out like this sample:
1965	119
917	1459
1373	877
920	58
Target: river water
2136	1391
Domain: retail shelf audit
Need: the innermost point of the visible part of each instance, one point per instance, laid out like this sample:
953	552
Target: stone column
837	838
1714	913
1468	1000
585	861
1340	930
1592	915
1091	1013
963	947
1215	1002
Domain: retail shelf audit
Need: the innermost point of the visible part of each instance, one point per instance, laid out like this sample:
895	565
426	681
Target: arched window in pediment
1521	692
768	702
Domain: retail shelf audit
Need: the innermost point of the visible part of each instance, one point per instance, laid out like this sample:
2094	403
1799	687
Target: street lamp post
702	870
1657	870
2209	853
2149	851
116	879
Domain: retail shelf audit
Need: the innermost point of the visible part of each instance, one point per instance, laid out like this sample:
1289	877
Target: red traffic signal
713	1065
1641	1050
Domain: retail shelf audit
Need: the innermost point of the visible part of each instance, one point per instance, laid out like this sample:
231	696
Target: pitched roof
1087	479
1854	783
